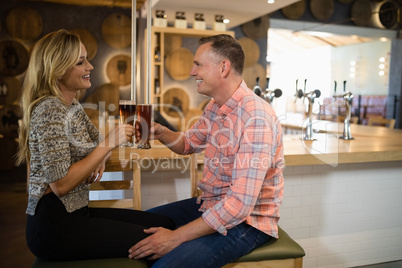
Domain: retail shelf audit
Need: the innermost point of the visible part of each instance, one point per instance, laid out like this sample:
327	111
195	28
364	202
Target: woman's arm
91	165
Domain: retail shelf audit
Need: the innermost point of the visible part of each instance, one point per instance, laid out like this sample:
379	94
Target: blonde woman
65	154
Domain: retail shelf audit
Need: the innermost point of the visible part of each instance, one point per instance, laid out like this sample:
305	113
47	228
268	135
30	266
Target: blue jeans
214	250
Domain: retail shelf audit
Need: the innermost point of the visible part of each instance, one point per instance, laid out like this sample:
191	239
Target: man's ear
225	68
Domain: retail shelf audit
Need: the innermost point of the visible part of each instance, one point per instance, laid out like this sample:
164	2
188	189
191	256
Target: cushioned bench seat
96	263
283	253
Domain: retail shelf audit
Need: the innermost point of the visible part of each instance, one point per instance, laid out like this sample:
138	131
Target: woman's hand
97	175
119	135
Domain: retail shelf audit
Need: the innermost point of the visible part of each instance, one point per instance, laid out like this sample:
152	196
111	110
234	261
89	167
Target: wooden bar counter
370	144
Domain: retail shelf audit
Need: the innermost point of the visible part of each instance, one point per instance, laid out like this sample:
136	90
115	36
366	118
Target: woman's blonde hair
51	56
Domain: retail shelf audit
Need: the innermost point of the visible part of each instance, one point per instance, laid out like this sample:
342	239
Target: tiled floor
14	252
397	264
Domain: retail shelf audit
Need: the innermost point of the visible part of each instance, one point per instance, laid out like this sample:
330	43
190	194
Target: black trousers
53	234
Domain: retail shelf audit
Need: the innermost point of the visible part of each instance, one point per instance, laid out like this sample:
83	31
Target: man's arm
163	240
173	140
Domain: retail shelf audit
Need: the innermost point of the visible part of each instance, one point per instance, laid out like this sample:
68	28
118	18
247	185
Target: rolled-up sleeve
195	138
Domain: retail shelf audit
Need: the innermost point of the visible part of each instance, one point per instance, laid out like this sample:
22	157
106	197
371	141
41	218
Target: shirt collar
233	101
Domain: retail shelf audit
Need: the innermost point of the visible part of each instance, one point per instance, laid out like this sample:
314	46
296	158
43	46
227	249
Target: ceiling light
226	21
271	1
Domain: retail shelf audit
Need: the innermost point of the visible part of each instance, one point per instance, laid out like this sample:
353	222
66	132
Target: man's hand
155	246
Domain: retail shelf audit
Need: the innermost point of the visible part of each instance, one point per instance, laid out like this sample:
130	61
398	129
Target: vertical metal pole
148	80
134	50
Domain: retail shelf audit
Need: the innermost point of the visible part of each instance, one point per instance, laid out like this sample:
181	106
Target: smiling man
242	184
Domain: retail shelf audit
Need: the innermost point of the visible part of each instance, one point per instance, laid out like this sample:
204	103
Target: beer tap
348	98
269	95
310	96
257	89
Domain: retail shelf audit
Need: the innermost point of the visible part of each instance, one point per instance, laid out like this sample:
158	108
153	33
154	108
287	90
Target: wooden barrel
9	115
89	41
116	30
10	90
322	10
118	70
172	42
251	73
294	11
251	51
388	14
382	14
345	1
361	12
178	63
177	102
24	23
15	58
257	28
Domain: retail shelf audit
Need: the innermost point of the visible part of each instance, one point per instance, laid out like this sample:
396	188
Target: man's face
206	70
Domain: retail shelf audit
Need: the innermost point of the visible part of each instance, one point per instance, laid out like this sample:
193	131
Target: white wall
311	64
367	80
345	216
322	66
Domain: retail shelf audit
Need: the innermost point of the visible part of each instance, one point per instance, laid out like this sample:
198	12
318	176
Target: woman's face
78	76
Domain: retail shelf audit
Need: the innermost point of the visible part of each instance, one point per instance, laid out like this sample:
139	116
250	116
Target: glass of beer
143	125
127	110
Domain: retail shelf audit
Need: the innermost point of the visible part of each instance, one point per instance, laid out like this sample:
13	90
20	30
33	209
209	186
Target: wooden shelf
159	36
